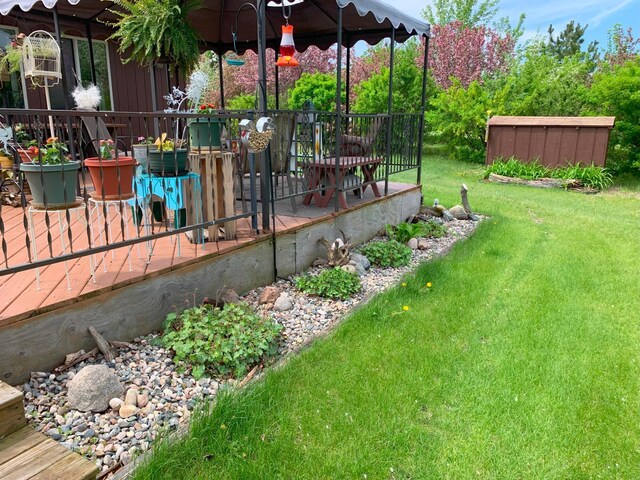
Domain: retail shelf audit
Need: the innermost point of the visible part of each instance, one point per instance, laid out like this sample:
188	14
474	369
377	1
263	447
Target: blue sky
599	14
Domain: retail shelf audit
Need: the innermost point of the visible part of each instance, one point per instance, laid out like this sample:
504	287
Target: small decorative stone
283	303
115	403
459	213
269	295
143	400
413	244
128	410
350	269
131	397
423	244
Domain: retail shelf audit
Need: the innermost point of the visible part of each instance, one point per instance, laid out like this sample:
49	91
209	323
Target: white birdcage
41	57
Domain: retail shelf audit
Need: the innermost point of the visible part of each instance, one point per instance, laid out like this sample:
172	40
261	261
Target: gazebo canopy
315	21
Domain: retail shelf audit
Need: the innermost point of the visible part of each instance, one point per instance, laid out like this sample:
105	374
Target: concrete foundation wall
40	343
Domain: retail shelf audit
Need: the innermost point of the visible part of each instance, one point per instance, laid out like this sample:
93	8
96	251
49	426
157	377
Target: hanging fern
149	30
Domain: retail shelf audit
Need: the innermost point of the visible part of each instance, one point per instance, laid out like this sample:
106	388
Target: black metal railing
177	173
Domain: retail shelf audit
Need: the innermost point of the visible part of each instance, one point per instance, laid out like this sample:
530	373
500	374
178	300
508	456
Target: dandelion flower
404	284
405	308
428	284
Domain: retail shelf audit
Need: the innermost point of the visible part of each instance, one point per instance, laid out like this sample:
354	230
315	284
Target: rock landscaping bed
143	393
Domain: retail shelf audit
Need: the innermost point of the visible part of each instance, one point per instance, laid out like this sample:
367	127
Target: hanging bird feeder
234	59
256	136
287	47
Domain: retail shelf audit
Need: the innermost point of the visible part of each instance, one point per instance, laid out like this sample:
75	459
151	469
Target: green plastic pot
170	163
205	132
52	186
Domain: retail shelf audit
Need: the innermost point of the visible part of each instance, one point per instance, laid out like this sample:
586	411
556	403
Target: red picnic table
327	167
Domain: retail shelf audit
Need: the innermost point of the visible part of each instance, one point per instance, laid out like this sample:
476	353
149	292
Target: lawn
521	361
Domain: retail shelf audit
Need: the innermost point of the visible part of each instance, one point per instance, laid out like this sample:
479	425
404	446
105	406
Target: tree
318	88
570	41
622	46
616	92
471	13
468	53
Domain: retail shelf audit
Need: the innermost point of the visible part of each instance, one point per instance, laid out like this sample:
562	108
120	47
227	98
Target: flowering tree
467	53
622	46
242	80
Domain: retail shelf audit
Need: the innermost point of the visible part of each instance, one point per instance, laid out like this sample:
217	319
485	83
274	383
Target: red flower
203	107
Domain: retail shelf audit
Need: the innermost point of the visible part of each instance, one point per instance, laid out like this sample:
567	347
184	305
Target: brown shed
555	141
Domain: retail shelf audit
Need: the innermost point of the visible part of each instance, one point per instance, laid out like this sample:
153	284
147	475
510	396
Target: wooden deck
26	454
20	297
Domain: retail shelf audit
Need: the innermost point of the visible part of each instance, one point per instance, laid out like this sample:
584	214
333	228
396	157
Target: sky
599	14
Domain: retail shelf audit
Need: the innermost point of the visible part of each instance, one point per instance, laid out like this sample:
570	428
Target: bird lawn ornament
256	136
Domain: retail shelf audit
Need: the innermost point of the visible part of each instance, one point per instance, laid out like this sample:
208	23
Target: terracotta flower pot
107	186
52	186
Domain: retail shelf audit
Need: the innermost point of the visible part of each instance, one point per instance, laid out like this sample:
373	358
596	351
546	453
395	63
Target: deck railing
163	199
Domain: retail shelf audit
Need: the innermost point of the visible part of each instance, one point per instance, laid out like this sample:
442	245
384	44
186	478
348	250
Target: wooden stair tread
8	395
27	454
11	410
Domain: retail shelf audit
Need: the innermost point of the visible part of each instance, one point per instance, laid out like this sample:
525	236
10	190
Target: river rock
413	244
361	259
115	403
458	213
359	268
127	410
350	269
423	244
143	400
283	303
131	398
92	388
268	295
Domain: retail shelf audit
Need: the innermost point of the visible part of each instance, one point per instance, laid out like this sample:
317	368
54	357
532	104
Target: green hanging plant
152	30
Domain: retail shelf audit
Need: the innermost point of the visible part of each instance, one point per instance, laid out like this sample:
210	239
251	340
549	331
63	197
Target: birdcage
41	57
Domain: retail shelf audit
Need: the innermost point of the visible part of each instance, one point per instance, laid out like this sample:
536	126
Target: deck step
27	454
11	410
30	455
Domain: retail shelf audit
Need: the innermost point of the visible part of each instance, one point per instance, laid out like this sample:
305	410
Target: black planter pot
168	163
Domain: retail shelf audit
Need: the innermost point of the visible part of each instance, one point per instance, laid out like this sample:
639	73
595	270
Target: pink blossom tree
622	46
467	53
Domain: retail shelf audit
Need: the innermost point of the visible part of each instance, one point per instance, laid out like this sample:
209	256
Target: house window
11	86
77	68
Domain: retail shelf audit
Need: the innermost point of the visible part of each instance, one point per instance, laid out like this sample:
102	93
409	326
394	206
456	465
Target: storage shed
555	141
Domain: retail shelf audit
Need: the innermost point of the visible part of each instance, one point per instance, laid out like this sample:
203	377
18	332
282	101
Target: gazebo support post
56	26
338	108
92	58
422	107
277	81
389	111
265	165
221	80
348	76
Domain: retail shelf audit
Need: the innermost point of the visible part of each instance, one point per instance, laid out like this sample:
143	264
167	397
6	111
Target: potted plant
205	131
151	30
140	150
111	174
167	158
53	177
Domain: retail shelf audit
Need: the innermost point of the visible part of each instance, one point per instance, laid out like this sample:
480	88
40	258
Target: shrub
227	341
318	88
332	283
403	232
387	254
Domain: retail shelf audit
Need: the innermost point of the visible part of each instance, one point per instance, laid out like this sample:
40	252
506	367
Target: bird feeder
287	48
256	136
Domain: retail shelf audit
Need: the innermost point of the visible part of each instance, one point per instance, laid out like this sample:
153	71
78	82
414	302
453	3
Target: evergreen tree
570	42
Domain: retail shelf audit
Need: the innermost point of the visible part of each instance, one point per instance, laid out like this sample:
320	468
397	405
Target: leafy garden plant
590	176
52	153
150	30
227	341
387	254
403	232
331	283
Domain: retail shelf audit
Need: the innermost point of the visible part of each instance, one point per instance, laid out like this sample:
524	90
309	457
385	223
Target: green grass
521	361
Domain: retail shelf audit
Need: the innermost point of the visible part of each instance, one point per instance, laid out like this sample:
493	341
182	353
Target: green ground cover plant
224	341
389	253
330	283
590	176
520	360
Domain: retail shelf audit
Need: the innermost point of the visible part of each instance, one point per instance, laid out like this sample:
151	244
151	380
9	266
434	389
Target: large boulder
362	260
92	387
458	212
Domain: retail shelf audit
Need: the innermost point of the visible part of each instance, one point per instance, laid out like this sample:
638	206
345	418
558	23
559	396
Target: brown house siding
555	141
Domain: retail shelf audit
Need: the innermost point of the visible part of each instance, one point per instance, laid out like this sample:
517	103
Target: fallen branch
105	347
539	183
250	375
116	344
77	360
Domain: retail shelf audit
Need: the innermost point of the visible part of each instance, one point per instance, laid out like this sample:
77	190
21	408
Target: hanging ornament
287	48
